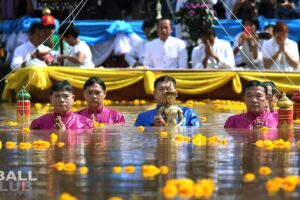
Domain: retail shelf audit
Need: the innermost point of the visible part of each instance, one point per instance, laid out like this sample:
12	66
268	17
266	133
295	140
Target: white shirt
167	54
270	47
23	53
83	48
246	56
221	48
136	54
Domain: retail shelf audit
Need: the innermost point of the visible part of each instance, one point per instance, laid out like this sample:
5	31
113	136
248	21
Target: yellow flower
164	169
0	144
60	144
24	145
265	171
73	109
272	186
150	170
198	191
297	121
264	129
129	169
83	170
136	102
102	125
69	167
38	106
95	124
259	143
142	102
298	143
208	187
40	144
12	123
289	183
140	128
115	198
59	166
169	191
117	169
10	145
203	119
77	102
66	196
185	191
249	177
163	134
53	138
223	142
26	130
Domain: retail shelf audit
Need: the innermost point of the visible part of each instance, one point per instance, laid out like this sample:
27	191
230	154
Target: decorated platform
130	84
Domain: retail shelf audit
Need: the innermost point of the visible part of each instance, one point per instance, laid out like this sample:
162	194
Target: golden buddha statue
170	111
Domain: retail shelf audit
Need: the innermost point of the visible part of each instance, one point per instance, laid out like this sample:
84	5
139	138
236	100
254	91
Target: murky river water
124	145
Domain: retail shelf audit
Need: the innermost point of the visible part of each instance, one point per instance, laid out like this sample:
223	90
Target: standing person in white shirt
135	57
79	54
33	52
165	52
279	52
212	53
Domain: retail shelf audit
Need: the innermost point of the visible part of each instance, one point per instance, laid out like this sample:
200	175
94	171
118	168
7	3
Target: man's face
255	99
62	101
164	29
280	36
94	95
37	37
159	92
208	38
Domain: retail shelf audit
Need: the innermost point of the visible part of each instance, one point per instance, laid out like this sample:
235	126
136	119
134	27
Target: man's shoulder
237	116
43	118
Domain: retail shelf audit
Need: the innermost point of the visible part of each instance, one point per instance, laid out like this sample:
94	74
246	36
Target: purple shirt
248	120
70	119
103	115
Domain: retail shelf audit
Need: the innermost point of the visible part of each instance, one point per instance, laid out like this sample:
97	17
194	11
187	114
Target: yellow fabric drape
188	82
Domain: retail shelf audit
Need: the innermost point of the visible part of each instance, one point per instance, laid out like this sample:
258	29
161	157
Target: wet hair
147	24
67	29
252	20
207	31
34	27
254	83
272	84
60	86
163	79
92	80
280	27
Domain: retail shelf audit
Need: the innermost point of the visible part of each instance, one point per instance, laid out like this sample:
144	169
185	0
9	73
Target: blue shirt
190	118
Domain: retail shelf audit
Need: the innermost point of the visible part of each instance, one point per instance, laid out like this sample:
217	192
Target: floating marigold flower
38	106
203	119
164	169
12	123
117	169
264	129
129	169
298	144
198	191
289	183
73	109
265	171
223	142
66	196
10	145
69	167
208	187
272	186
163	134
77	102
83	170
59	166
40	144
26	130
185	191
142	102
115	198
249	177
53	138
0	144
140	128
259	143
24	145
95	124
169	191
60	144
297	121
150	170
136	102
